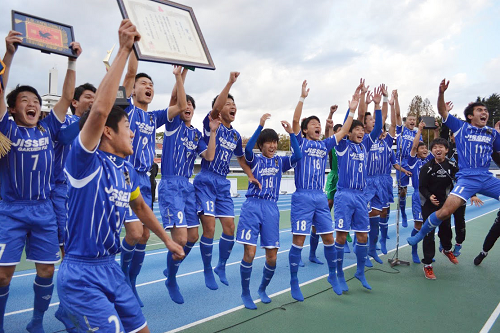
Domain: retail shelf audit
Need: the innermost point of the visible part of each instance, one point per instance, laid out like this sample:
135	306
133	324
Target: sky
275	45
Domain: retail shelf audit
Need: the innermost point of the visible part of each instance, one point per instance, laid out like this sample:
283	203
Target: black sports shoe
480	257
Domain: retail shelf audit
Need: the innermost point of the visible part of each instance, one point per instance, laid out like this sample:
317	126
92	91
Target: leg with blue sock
430	224
43	288
4	295
267	275
314	245
126	257
245	273
373	238
226	243
414	248
387	219
346	245
331	260
361	253
171	282
206	245
294	258
135	268
340	269
402	206
354	240
384	227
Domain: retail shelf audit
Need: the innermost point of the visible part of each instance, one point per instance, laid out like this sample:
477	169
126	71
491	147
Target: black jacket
436	179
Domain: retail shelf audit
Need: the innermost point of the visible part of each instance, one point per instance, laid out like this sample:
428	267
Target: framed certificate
44	35
169	33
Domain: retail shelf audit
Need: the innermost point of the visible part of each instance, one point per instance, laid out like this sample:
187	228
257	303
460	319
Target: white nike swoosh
169	133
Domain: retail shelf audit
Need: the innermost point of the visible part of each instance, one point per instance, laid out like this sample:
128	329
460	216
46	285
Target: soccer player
259	213
144	124
182	143
26	211
103	186
212	188
309	203
475	143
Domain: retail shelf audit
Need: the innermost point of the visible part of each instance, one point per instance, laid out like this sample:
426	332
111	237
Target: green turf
460	300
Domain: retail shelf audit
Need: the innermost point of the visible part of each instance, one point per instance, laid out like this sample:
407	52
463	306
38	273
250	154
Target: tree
422	107
284	143
159	136
493	105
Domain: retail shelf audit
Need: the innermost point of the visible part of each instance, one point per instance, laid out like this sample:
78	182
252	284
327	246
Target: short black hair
267	135
440	141
115	116
305	122
139	75
79	91
228	96
469	110
420	144
356	123
12	96
189	98
366	115
336	127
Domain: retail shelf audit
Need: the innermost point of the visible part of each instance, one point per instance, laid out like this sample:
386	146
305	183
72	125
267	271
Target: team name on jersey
478	138
227	144
268	171
408	137
315	152
119	197
145	128
31	145
189	144
357	157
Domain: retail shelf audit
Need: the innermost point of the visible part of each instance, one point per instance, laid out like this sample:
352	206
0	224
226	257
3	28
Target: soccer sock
43	288
414	248
331	260
267	275
187	248
361	252
135	268
384	227
4	295
314	245
340	262
126	258
206	245
294	258
226	244
171	282
245	273
430	224
373	238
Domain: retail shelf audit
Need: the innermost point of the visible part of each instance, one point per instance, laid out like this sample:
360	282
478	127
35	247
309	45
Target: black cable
282	307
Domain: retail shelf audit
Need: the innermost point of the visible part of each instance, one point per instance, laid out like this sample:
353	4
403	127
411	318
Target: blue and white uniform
404	141
474	147
309	202
414	165
213	190
176	195
260	213
26	174
386	177
101	185
144	125
377	159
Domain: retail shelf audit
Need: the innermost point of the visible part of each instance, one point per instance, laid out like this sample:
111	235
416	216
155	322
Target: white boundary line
491	320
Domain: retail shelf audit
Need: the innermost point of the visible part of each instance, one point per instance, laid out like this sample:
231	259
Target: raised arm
181	104
221	100
253	140
353	105
329	121
298	109
363	104
392	127
399	122
377	96
385	102
296	151
443	112
129	80
173	97
416	140
62	105
91	132
11	42
209	154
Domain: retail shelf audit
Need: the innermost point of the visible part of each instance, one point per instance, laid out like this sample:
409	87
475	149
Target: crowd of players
69	184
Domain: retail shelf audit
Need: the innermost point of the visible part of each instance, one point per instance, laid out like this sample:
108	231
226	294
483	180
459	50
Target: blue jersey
99	191
415	164
391	160
144	125
228	141
61	151
404	142
474	145
377	155
310	170
26	172
352	163
181	145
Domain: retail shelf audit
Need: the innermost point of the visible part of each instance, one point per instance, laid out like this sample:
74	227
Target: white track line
489	323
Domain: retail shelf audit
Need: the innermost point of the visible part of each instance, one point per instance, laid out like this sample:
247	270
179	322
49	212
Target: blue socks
226	244
4	295
314	245
430	224
361	252
384	228
331	260
135	268
268	273
402	206
340	271
373	238
245	273
206	245
187	248
43	288
126	258
414	248
294	259
171	282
